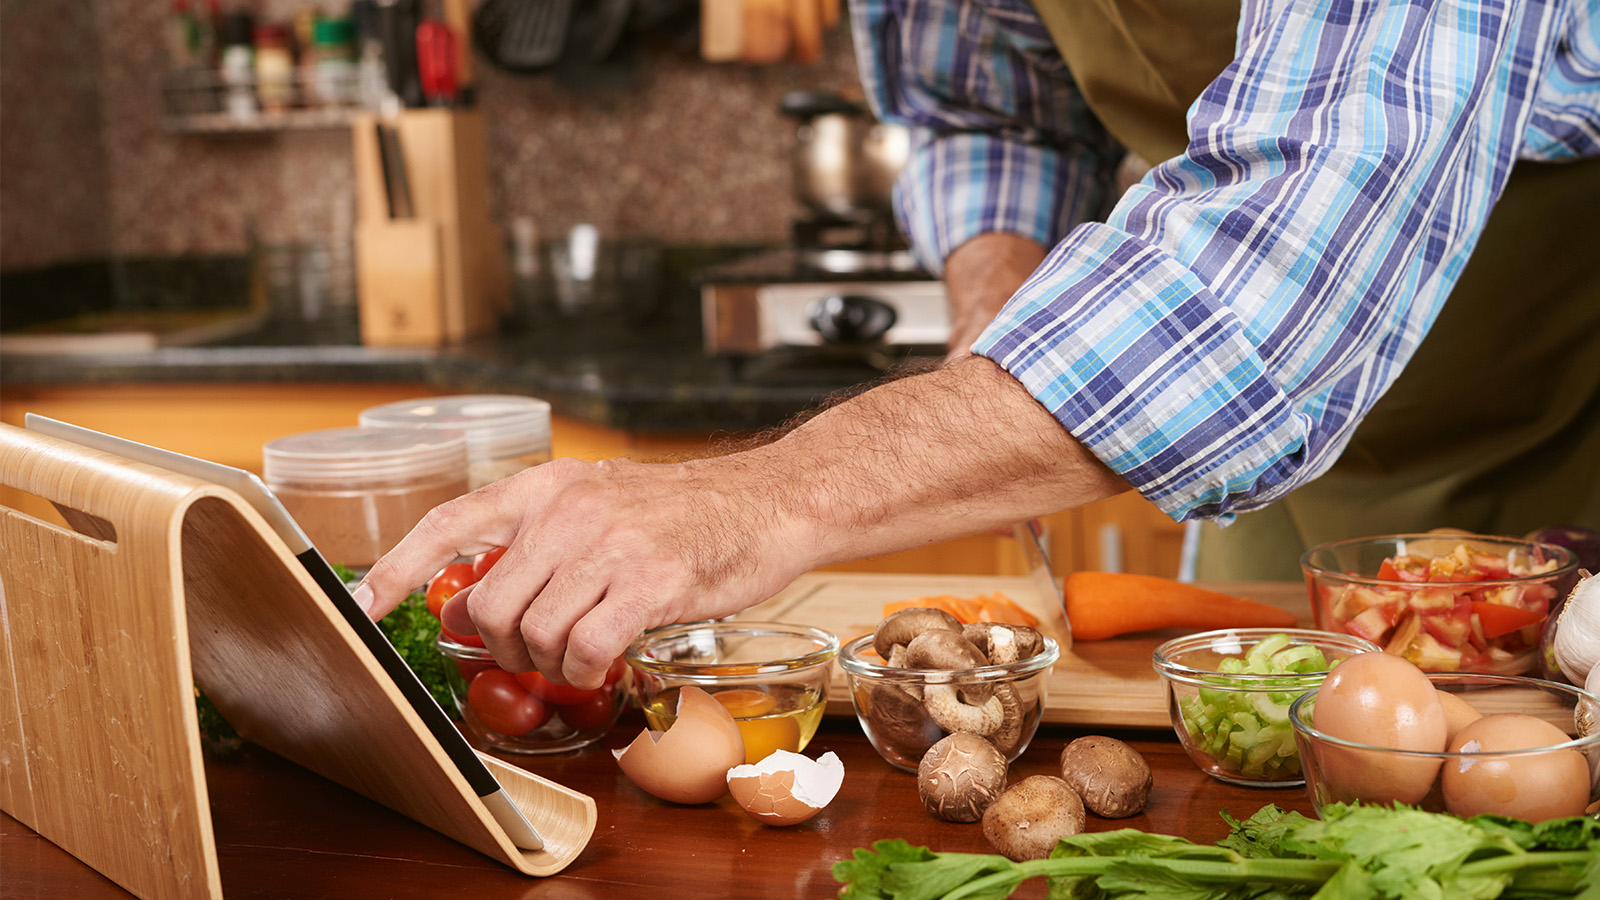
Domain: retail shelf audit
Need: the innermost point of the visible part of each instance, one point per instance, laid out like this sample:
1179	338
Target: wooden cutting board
1101	683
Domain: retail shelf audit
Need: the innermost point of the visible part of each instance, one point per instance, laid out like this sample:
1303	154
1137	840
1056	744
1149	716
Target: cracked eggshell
689	762
786	788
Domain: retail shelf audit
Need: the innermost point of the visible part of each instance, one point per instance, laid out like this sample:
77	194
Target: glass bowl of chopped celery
1229	692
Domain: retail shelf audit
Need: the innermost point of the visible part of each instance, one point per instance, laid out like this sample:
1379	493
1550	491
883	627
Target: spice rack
196	101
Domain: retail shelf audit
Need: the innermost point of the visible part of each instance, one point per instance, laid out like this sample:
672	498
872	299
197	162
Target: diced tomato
1499	620
1451	627
1387	571
1372	624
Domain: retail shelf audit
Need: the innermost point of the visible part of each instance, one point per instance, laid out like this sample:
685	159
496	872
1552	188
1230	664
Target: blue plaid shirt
1217	339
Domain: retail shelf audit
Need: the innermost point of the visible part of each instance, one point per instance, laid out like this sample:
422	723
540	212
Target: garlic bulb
1576	643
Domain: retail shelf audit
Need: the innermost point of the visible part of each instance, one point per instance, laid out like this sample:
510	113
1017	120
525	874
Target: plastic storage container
506	433
357	491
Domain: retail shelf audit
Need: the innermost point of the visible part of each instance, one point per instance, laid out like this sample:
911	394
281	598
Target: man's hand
980	276
599	552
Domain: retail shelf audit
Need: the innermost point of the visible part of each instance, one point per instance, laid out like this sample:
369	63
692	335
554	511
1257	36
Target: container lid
496	425
333	32
355	456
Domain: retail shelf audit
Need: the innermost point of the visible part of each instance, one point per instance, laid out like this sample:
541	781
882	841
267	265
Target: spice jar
274	68
333	51
505	433
357	491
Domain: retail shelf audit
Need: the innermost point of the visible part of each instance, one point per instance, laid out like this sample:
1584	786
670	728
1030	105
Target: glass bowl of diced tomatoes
518	712
1447	602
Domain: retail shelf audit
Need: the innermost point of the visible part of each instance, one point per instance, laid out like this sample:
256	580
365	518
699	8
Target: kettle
845	162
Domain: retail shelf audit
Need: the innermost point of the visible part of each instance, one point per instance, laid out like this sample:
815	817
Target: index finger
464	526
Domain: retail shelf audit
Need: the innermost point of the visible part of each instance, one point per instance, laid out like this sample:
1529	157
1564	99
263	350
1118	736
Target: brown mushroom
900	724
1111	777
901	627
1026	821
960	776
1003	644
1007	736
956	707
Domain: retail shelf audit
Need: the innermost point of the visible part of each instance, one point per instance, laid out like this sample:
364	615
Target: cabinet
228	423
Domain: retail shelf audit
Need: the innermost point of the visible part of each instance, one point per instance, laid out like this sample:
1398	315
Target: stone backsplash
685	151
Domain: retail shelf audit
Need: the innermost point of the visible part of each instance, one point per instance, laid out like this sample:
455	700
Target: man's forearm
980	276
940	455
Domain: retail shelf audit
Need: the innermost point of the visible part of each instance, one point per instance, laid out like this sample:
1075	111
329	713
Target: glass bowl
772	676
888	704
524	713
1234	723
1446	602
1342	771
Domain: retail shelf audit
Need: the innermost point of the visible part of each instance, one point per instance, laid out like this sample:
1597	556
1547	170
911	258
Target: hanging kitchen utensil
599	52
397	28
437	63
522	35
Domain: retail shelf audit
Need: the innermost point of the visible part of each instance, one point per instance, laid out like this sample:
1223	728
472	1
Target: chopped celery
1247	731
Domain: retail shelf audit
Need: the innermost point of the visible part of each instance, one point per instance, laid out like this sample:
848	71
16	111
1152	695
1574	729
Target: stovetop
797	265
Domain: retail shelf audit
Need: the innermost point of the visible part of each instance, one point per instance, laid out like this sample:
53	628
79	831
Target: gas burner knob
850	318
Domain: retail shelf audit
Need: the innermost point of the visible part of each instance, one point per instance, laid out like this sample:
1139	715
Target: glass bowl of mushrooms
922	675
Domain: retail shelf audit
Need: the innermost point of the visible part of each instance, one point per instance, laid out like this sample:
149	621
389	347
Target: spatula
522	34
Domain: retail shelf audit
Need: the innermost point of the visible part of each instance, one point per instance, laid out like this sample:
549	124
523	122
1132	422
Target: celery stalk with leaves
1352	853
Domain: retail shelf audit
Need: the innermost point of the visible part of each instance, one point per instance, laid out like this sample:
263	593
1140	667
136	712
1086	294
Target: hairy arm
980	276
601	551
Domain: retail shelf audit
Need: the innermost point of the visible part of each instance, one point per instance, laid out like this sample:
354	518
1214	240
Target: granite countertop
636	374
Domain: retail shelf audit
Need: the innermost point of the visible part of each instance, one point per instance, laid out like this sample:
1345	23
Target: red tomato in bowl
559	694
483	562
503	705
592	713
447	583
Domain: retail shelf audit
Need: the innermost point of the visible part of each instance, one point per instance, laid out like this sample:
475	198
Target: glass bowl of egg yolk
1463	743
772	677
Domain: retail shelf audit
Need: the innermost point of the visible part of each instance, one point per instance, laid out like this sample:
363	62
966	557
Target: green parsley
1351	853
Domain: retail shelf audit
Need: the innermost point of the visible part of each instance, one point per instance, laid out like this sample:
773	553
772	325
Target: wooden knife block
162	582
440	276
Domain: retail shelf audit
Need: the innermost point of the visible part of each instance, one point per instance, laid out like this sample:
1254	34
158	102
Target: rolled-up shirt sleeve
1001	139
1219	337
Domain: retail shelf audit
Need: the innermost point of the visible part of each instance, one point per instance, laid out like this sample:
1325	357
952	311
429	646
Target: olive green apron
1494	426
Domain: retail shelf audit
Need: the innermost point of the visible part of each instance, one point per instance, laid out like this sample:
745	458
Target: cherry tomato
483	562
502	705
469	640
619	668
594	712
472	668
559	694
444	585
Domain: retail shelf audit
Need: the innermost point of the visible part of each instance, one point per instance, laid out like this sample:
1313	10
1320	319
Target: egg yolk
762	736
742	702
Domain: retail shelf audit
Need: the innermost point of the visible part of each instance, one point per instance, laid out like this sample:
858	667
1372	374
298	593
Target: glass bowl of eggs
1229	691
771	676
1380	730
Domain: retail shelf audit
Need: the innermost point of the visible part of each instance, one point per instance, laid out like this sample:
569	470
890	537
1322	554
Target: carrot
1106	604
995	607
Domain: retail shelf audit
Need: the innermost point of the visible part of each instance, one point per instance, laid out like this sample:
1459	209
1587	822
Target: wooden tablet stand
163	582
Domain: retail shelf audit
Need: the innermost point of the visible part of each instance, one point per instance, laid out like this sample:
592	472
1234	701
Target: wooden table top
283	832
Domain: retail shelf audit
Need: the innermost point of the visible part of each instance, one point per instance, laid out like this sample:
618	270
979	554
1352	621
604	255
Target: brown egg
689	762
1535	786
1458	714
1382	700
786	788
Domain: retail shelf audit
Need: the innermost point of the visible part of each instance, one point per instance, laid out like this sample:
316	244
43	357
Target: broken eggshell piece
689	762
786	788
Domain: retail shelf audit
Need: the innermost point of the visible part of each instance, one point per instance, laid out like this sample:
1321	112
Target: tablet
260	497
